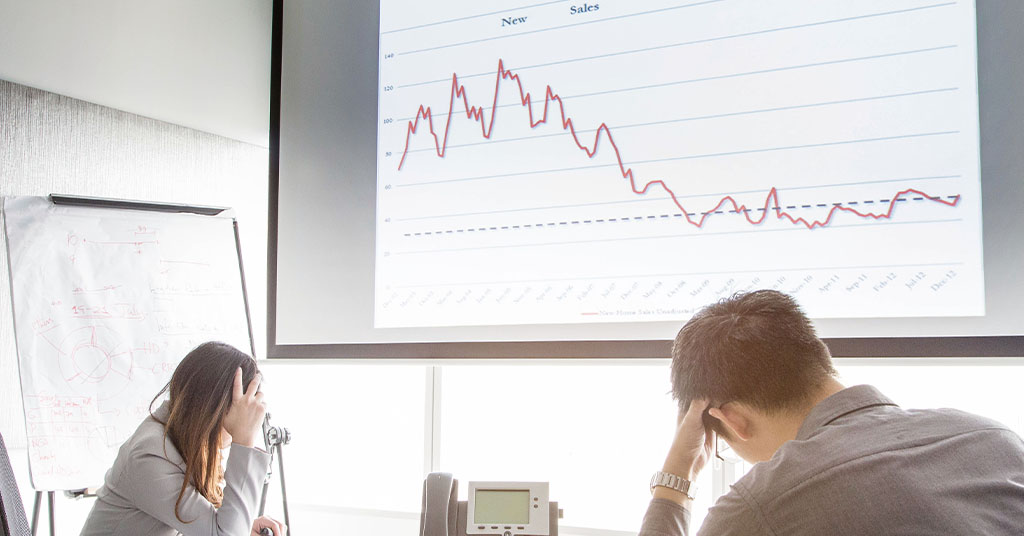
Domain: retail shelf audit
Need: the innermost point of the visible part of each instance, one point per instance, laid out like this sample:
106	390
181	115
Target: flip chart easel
108	296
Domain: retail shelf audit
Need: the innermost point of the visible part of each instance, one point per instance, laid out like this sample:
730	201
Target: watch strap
674	482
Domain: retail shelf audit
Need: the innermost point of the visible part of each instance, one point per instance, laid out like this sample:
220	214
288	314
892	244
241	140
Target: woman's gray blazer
140	490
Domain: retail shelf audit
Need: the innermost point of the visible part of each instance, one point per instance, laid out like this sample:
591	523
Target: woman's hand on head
245	416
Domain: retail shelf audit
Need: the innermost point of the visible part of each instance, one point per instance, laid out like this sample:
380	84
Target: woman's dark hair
200	391
757	348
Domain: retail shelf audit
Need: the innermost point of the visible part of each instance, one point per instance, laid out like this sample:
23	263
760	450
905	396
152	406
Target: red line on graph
477	114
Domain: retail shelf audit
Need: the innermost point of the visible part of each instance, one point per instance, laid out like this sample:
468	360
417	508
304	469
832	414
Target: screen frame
864	347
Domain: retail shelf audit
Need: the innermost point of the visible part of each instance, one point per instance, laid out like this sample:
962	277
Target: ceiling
197	63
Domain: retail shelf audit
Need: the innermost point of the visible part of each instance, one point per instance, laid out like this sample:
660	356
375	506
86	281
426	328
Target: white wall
198	63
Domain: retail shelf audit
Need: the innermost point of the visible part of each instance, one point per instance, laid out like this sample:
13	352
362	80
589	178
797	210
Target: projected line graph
829	150
689	118
776	208
486	121
659	199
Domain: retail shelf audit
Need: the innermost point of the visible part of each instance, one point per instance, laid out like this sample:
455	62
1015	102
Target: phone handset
440	505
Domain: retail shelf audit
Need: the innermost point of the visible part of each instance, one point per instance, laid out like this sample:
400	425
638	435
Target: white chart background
805	110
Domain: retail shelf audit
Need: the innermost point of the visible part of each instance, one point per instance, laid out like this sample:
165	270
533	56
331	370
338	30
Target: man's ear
735	419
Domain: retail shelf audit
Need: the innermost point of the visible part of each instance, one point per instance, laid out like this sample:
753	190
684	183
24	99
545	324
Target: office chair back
12	512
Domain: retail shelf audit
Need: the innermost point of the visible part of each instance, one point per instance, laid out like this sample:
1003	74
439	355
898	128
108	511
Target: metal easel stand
50	496
76	494
35	511
276	438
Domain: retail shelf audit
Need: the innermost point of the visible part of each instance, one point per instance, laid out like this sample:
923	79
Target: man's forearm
669	512
666	518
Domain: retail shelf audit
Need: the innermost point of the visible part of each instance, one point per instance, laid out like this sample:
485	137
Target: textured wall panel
54	144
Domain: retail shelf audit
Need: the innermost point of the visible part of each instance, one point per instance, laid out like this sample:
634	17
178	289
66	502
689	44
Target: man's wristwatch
676	482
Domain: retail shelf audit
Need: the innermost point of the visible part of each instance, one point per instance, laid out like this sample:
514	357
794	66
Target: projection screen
575	179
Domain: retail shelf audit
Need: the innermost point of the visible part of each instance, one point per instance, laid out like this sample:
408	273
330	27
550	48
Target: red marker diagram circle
93	362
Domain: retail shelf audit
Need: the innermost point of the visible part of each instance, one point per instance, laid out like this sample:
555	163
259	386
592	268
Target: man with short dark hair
829	460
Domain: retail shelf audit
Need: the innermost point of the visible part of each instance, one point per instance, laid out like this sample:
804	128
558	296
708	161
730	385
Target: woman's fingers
261	404
267	522
254	385
258	526
258	399
247	410
236	389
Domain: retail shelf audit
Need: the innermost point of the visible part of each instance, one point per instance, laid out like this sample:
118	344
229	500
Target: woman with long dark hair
168	477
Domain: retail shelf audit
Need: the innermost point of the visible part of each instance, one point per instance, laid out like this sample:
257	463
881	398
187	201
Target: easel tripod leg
35	512
284	492
49	500
263	495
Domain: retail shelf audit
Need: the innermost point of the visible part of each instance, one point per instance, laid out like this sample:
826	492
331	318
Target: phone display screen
501	506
